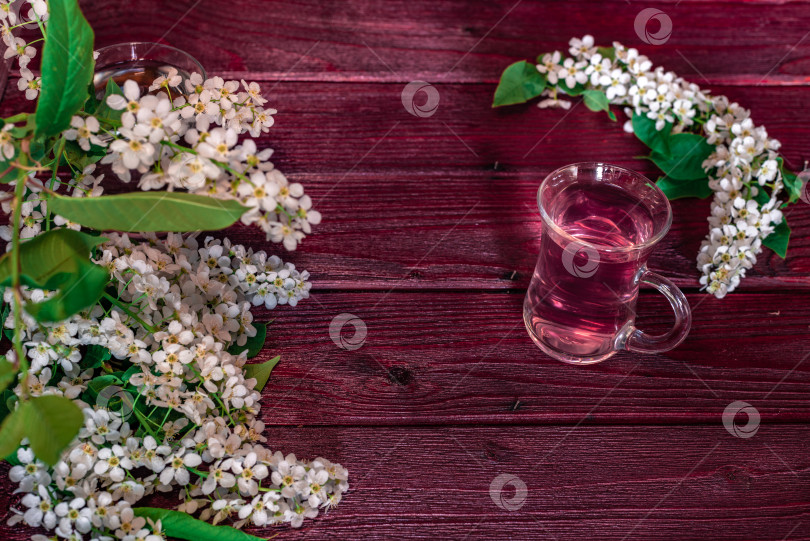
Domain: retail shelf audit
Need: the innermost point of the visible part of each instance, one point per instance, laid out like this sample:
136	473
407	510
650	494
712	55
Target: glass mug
600	224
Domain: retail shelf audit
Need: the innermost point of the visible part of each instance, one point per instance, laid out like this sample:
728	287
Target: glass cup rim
153	46
547	220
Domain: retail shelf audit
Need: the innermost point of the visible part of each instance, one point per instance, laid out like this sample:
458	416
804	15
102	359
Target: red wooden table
430	235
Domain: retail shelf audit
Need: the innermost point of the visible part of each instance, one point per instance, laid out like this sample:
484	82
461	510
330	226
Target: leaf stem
22	362
54	168
128	312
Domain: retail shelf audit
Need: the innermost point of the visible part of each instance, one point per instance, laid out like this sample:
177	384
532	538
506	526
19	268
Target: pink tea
584	290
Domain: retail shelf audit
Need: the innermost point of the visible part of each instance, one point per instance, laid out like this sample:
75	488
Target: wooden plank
463	357
589	483
460	186
403	40
449	201
479	229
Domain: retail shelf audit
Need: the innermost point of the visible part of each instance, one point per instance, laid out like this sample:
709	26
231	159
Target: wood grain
429	237
617	482
589	483
451	41
449	201
462	357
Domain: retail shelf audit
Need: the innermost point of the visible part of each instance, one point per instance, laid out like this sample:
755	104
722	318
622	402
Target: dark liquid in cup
582	295
143	72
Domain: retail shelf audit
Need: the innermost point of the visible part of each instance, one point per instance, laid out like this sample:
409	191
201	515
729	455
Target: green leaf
131	371
80	158
106	114
82	291
12	431
254	344
607	52
575	91
261	371
59	260
10	173
678	189
92	102
778	240
656	140
7	373
46	258
184	526
687	152
519	83
51	423
762	196
149	211
67	67
6	403
99	383
596	101
793	184
94	356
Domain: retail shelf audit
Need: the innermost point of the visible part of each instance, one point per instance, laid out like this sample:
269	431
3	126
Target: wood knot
400	375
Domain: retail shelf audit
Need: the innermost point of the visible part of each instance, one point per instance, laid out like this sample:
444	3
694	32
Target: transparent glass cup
141	61
600	224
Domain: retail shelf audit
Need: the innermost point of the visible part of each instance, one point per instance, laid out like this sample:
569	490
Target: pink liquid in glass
583	295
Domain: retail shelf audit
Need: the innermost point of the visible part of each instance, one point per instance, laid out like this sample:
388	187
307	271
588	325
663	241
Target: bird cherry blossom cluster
140	383
744	171
181	133
183	415
185	136
11	18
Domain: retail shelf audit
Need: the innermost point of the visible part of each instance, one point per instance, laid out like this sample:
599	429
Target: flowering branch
704	145
128	372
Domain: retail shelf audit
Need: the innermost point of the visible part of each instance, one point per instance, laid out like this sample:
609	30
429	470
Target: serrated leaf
678	189
12	432
254	344
67	67
261	371
778	240
519	83
184	526
51	423
149	211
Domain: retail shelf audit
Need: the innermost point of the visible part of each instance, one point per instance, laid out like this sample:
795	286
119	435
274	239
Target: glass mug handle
641	342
